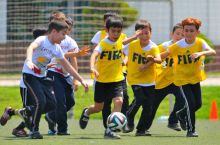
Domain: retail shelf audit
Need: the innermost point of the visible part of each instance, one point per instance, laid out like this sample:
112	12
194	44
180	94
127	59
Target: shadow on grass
14	138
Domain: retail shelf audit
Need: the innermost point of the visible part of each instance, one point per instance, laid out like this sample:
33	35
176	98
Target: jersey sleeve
98	48
125	49
205	45
73	46
39	40
96	38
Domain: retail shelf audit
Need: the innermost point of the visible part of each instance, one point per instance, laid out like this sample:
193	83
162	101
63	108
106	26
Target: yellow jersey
103	35
164	70
109	62
136	58
186	70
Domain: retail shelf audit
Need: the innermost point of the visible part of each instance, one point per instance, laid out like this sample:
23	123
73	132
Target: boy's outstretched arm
30	50
93	58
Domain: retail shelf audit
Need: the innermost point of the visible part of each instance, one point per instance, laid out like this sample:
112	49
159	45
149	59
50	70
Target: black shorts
107	90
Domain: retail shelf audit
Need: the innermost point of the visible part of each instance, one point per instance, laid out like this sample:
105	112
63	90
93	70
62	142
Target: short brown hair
57	15
178	25
57	25
141	24
192	21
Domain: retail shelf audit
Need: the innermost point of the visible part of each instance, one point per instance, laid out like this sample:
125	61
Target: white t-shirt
146	48
22	85
167	44
96	38
42	55
99	48
68	44
182	43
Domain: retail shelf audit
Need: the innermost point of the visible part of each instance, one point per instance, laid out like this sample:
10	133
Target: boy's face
114	33
190	32
145	35
59	36
177	34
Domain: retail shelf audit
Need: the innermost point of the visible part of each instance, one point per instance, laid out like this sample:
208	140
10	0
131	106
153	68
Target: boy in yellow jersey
107	105
187	54
164	81
106	64
141	79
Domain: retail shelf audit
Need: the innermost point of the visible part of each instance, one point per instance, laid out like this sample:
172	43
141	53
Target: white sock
85	113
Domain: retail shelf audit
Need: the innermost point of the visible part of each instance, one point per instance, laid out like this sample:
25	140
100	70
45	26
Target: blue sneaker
51	132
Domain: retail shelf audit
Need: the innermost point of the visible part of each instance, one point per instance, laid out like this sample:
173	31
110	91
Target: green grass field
209	134
10	96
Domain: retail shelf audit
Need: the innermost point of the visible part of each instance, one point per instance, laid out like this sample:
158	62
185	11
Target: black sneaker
111	135
26	117
142	133
130	125
192	134
36	135
128	128
182	121
51	124
83	121
63	133
174	126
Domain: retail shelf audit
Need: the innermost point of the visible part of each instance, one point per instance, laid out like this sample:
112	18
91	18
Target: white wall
3	21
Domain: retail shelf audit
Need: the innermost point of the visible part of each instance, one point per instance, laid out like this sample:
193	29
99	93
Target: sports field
209	134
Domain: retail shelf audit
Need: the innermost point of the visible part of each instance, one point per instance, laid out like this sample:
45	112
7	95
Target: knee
118	101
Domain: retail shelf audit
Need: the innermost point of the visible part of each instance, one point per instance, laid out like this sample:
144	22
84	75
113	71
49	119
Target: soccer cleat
83	119
142	133
111	135
128	128
5	117
51	125
27	118
36	135
182	121
130	125
174	126
51	132
19	133
192	134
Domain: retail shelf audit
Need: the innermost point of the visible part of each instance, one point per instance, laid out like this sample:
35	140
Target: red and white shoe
19	133
5	117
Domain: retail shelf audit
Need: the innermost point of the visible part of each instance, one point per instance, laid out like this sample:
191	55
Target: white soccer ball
116	121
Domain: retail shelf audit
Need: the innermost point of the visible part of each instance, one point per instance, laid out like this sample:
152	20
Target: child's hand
138	33
75	84
95	72
123	62
33	67
85	50
85	85
195	55
150	58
